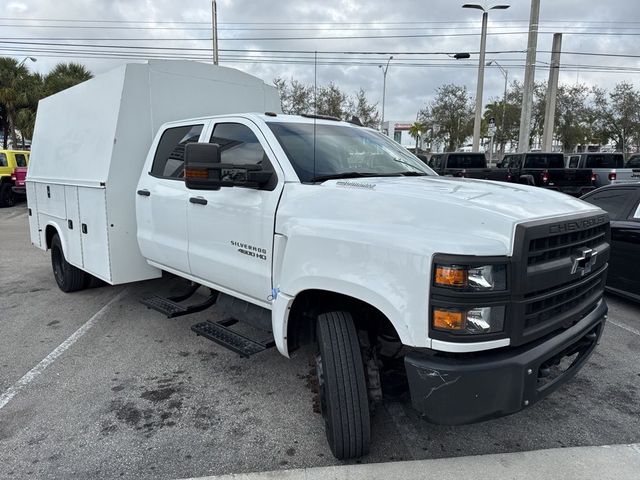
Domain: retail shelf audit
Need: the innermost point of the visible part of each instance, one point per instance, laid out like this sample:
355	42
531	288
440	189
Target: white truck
488	296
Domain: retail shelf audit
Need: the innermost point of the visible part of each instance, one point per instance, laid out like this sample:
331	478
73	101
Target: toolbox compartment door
94	232
73	252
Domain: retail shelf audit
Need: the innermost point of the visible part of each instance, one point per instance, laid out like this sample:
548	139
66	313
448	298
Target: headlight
473	278
469	321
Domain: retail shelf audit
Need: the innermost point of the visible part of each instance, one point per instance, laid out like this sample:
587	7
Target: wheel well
307	305
49	232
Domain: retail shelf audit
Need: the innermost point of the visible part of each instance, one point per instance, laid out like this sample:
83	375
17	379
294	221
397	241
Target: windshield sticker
343	183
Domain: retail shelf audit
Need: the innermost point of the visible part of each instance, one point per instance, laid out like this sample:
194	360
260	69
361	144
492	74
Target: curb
609	462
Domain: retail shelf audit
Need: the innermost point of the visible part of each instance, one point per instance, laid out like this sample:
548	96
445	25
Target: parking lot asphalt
137	395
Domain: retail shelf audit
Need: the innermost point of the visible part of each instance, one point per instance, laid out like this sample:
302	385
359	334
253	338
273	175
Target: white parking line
624	327
49	359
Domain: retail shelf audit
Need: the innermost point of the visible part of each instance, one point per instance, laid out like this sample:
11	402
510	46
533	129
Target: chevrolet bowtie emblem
583	260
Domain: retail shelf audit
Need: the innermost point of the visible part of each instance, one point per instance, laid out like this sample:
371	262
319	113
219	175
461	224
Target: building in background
399	131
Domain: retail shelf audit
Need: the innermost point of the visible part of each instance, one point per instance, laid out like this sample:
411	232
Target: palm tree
63	76
415	130
13	93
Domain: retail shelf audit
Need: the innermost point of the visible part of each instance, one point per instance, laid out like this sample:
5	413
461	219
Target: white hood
425	214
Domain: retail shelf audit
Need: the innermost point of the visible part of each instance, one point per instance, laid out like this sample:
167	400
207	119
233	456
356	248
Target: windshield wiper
337	176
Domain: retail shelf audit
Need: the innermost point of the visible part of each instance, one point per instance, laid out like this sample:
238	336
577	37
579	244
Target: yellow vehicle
9	161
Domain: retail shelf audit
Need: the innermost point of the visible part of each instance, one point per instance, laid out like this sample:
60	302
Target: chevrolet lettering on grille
583	261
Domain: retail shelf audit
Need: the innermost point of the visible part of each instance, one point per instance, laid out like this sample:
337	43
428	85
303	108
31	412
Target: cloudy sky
418	33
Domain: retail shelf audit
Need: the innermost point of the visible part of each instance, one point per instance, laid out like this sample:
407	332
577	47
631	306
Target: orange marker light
201	173
448	319
451	276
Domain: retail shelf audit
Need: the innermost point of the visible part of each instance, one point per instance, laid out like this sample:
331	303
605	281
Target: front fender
391	279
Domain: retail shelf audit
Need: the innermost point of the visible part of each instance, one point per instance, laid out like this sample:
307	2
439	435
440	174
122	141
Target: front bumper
455	390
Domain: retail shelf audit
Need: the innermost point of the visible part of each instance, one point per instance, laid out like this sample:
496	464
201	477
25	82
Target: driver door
231	230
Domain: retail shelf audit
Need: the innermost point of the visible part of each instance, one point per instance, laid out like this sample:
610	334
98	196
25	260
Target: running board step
171	307
243	346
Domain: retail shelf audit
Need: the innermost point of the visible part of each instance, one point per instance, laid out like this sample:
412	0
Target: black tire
68	277
342	386
7	197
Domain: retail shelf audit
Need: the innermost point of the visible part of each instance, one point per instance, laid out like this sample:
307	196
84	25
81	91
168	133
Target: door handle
144	193
198	200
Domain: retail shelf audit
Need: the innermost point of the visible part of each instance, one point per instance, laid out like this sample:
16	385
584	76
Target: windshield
544	160
604	161
467	160
343	151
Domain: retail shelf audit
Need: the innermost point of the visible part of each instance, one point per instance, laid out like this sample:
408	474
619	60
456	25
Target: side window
3	160
168	161
21	160
239	145
612	200
636	214
514	161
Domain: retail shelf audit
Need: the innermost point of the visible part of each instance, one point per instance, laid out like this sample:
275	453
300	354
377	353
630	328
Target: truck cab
547	170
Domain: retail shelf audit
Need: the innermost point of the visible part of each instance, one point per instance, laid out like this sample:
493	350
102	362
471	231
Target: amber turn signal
451	276
448	319
197	173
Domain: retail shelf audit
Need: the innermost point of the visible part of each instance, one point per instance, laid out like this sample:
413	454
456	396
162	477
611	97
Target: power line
382	52
208	22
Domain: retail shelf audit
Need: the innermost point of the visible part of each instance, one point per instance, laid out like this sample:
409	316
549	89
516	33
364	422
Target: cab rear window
542	160
467	161
604	161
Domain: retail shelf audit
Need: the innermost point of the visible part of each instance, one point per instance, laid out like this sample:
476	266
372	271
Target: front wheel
68	277
343	389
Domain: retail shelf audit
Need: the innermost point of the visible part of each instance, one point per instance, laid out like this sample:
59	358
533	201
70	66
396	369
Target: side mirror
203	170
200	160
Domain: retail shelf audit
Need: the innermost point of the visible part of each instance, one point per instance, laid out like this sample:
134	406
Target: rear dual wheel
68	277
342	386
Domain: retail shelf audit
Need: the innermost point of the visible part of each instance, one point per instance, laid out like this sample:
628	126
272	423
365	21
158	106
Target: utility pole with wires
214	30
552	94
529	78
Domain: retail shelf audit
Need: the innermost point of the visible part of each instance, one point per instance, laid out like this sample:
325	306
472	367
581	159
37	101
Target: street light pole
483	49
384	88
505	73
214	30
529	78
33	59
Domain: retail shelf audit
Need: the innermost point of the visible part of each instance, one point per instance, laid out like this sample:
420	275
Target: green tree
332	101
297	98
620	114
13	94
63	76
449	116
367	112
415	130
573	116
